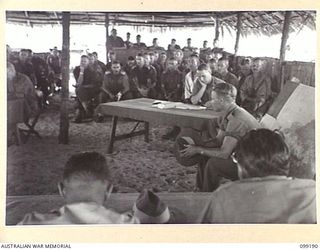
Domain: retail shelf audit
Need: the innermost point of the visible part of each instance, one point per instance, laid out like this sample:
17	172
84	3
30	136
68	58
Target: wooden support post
284	39
217	33
65	61
239	27
107	34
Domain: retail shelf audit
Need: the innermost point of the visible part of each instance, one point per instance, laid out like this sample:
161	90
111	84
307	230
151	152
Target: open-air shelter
243	22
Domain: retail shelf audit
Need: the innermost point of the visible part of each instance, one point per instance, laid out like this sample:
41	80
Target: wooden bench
184	207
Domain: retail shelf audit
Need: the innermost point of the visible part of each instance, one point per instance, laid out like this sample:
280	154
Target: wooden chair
30	127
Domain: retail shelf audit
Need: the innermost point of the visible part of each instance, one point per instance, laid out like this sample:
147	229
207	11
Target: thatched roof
256	22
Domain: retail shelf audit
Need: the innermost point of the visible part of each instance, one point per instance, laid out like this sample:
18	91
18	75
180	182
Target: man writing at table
213	153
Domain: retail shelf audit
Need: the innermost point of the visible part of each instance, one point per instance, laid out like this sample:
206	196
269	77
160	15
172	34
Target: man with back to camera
85	187
212	152
264	193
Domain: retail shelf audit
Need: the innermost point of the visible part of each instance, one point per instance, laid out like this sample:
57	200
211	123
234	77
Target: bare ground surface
35	168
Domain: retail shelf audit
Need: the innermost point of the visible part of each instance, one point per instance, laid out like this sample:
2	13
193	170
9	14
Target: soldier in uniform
171	81
224	74
144	77
87	88
255	92
214	152
115	85
203	86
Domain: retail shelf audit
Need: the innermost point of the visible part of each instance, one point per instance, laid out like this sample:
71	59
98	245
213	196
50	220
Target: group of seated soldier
175	76
43	72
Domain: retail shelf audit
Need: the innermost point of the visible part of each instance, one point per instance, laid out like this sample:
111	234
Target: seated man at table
144	78
255	92
191	77
87	88
171	81
20	86
203	86
85	188
212	151
115	85
264	193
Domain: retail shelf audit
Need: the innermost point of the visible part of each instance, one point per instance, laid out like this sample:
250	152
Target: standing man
127	43
139	44
214	153
114	41
155	45
189	48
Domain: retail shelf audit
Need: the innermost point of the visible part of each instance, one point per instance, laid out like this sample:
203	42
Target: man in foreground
85	188
264	193
212	150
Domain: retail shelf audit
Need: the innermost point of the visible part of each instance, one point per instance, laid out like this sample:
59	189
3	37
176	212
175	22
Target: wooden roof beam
56	16
28	18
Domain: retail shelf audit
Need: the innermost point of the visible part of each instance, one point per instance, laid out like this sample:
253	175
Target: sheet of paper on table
178	105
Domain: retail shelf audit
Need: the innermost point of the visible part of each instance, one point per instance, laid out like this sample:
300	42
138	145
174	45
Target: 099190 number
310	246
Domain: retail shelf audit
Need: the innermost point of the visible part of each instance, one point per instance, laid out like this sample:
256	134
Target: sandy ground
35	168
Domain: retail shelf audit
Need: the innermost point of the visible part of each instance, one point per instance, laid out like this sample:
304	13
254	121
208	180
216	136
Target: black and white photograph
190	117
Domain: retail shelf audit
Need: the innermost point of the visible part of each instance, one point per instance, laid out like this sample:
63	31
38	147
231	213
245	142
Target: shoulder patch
108	72
123	73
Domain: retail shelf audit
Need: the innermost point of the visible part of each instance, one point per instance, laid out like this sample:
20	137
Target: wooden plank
64	116
184	207
113	134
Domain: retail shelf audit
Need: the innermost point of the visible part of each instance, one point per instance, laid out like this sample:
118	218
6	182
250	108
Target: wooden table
15	115
142	110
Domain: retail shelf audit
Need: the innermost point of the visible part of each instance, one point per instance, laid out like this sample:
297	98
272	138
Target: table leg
146	128
113	134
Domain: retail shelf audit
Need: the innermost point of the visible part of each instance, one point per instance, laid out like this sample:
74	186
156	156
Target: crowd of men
43	72
234	147
174	74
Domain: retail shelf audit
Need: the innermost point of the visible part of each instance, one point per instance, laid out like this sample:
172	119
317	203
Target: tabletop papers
178	105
